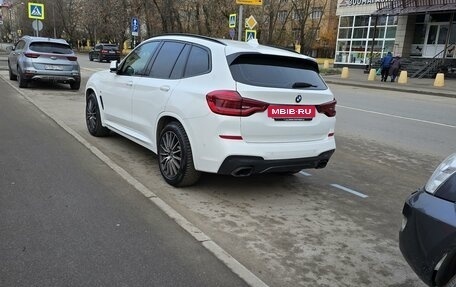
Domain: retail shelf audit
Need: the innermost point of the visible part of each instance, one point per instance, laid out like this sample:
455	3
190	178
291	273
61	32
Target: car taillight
230	103
328	108
72	58
104	51
31	55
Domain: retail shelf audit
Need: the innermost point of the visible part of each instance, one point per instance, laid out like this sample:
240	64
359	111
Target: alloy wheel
91	114
170	154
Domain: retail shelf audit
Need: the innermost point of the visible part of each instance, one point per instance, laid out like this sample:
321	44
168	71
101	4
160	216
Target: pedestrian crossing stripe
36	11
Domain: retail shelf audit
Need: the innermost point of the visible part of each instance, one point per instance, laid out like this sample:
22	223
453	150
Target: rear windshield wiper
298	85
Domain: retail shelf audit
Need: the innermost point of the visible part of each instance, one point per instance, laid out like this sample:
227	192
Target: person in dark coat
385	65
395	68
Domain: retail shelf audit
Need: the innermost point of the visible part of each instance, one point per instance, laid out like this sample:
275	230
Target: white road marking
93	70
398	117
305	173
349	190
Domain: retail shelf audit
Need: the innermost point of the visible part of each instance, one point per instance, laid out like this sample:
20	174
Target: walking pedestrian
395	68
385	65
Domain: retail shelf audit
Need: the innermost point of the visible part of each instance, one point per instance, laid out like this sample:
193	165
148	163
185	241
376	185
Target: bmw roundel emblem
298	98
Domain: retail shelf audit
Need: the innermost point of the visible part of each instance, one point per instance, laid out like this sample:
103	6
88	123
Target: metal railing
435	63
392	4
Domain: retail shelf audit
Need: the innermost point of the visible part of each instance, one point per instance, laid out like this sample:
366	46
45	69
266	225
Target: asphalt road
332	227
66	219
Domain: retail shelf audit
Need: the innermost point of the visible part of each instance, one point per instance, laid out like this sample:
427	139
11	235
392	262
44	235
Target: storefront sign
346	3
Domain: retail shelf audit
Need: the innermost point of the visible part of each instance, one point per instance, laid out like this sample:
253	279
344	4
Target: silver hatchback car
43	59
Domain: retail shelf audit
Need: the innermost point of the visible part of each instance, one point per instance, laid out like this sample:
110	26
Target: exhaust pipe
322	164
242	171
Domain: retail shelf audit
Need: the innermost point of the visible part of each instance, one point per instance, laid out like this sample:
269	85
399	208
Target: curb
414	90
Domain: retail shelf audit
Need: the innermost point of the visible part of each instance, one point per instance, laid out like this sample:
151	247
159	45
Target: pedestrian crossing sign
250	35
36	11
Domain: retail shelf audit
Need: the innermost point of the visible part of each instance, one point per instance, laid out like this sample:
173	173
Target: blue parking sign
134	26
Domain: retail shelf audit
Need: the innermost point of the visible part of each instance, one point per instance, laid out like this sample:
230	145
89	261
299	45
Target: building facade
368	29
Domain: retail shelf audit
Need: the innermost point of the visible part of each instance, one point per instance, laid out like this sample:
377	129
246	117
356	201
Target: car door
116	89
15	54
152	92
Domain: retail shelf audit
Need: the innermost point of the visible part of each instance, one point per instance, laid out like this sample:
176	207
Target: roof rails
194	36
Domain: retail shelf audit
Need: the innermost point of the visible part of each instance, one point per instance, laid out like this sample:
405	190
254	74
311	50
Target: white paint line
305	173
93	70
234	265
398	117
349	190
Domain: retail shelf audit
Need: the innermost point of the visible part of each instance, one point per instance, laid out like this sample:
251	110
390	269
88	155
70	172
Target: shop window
419	34
440	17
390	32
345	33
420	18
453	34
361	21
359	46
392	20
389	46
442	35
343	45
346	21
379	32
359	33
381	21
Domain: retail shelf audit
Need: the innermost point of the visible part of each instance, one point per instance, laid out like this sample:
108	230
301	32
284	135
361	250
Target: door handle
130	83
164	88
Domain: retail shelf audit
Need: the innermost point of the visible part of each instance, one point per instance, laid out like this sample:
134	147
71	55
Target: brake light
104	51
230	103
72	58
31	55
329	108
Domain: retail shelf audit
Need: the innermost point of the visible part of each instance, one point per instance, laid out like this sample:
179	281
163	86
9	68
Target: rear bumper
429	234
60	79
109	56
248	165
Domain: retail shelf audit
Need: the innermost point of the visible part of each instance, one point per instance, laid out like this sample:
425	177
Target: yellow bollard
402	78
326	64
372	74
344	74
439	80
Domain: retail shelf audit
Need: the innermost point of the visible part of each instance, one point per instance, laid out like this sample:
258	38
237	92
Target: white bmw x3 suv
215	105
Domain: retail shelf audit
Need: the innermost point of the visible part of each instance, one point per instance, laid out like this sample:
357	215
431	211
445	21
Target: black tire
93	120
12	76
90	57
23	83
452	282
76	85
175	156
100	59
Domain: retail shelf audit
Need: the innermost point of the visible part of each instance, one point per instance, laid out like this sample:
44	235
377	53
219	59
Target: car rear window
54	48
276	72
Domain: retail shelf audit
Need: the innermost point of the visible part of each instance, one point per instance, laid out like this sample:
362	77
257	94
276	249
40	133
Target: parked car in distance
105	52
215	105
427	238
43	59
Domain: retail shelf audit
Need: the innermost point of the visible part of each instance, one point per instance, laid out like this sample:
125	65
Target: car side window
166	59
135	64
178	70
198	62
20	45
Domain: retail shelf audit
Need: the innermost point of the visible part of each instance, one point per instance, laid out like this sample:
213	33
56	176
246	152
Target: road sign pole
240	23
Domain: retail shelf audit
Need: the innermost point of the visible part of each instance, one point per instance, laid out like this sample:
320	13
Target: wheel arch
447	270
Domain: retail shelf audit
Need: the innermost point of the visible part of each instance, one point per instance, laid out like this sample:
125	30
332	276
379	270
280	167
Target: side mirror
113	66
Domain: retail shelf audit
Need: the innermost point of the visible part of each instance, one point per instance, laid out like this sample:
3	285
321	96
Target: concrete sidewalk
358	78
